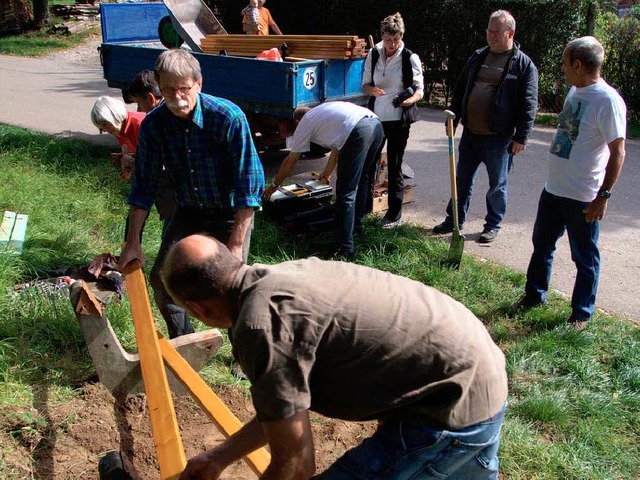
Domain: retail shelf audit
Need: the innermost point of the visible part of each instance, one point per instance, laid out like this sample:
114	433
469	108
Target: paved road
56	97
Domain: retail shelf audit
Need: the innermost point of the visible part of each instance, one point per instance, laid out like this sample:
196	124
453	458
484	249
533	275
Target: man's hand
202	467
516	148
268	191
131	251
595	210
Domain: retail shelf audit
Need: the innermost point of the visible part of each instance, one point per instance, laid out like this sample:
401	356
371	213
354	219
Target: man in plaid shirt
205	144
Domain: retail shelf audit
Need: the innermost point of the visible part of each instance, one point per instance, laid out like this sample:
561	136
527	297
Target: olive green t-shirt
355	343
483	90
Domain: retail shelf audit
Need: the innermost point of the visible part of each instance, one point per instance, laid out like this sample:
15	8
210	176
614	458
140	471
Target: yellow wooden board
164	424
224	418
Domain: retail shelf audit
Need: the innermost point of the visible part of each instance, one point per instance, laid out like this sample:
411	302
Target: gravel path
85	54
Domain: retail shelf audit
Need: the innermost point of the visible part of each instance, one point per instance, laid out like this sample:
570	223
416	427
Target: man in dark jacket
496	98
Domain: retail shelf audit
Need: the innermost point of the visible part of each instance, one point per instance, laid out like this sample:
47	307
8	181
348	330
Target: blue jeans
555	214
401	450
353	179
492	150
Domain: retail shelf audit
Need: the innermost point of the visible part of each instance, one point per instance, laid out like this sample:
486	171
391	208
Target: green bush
621	40
445	32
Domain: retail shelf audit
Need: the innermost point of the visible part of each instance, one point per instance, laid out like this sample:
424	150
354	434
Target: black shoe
444	227
342	254
524	303
488	235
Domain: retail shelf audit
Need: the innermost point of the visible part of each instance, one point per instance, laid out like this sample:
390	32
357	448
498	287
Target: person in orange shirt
266	21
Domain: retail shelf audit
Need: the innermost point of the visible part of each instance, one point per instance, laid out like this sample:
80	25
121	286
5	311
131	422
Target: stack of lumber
78	11
303	46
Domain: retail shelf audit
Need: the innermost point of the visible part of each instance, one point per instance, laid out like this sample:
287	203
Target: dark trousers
188	221
396	136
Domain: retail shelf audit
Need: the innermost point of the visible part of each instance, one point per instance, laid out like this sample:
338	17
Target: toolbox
302	206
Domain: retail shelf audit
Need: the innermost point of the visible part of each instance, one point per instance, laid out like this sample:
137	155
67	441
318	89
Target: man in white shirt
585	159
354	135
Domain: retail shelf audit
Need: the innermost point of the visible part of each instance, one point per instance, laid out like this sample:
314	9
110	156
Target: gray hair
392	25
588	50
108	110
177	63
508	18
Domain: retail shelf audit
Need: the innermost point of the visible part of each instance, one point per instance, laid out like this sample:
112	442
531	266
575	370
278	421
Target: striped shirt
210	159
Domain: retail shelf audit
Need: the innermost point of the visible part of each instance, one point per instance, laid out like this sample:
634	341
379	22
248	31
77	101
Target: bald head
199	268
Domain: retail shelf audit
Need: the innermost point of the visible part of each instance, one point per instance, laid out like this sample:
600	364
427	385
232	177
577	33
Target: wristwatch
603	193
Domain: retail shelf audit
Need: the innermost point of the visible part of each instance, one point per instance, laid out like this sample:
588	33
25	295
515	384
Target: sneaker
444	227
386	223
488	235
578	325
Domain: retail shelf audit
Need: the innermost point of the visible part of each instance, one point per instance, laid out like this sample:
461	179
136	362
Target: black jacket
515	102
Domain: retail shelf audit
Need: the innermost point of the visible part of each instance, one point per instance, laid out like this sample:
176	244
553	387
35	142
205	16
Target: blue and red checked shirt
210	159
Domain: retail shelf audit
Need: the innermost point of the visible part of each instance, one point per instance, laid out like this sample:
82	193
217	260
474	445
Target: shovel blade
456	248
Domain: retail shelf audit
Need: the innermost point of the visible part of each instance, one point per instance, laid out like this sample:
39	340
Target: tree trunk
592	13
15	15
40	12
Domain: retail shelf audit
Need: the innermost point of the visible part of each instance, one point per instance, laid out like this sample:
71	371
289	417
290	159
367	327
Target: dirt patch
68	440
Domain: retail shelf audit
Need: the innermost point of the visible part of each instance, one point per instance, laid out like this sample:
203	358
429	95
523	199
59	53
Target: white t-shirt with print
592	117
328	124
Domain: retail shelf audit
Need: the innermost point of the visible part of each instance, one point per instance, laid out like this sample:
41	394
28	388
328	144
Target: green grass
574	404
40	43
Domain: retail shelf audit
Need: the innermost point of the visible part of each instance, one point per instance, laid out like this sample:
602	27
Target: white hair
108	110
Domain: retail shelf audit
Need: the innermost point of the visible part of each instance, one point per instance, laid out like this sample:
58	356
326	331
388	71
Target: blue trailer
266	91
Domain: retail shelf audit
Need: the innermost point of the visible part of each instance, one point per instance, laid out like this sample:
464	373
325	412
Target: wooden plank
284	38
224	419
164	424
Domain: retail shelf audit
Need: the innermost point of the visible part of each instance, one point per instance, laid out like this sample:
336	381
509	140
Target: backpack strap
407	69
375	55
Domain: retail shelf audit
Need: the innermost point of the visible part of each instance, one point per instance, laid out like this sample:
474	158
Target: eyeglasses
496	32
170	91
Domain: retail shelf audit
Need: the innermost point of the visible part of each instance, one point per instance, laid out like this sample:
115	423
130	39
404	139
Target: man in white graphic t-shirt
585	159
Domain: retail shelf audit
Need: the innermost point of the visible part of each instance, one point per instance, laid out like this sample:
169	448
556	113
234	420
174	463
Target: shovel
457	240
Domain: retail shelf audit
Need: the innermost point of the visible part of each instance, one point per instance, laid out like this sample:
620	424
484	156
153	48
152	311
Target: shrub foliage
445	32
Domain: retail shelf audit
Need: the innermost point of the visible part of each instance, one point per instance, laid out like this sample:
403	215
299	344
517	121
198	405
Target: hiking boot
488	235
444	227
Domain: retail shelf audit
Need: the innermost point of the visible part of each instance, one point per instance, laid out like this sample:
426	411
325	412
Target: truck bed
130	43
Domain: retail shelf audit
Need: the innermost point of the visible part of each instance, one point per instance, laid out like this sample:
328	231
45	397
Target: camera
402	96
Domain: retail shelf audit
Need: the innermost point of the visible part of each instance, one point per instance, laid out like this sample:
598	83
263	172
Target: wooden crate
381	203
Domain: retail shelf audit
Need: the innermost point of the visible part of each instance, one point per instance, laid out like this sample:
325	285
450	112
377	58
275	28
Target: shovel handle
452	168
